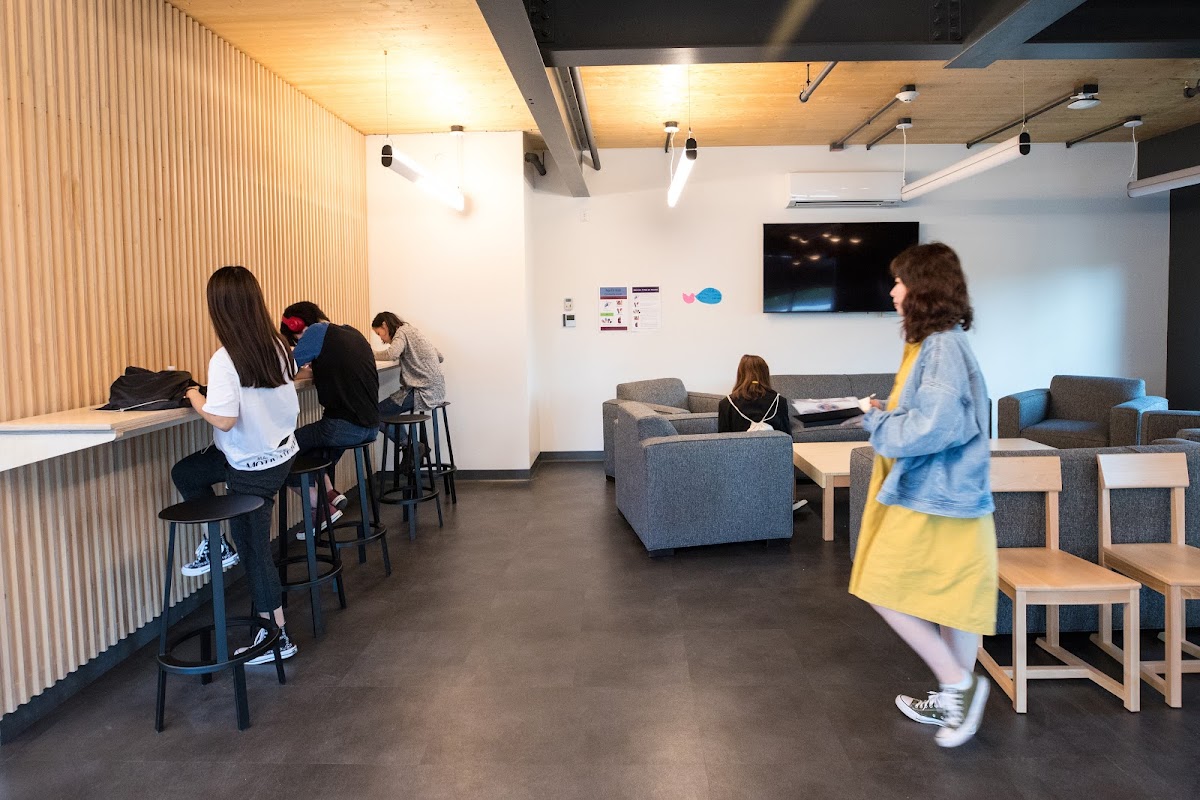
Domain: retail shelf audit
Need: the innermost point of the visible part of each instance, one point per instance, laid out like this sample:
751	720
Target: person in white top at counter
422	384
252	406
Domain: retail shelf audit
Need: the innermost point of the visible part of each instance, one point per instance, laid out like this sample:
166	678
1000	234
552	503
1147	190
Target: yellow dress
941	569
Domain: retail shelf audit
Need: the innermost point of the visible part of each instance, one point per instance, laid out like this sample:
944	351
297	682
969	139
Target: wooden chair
1170	568
1033	576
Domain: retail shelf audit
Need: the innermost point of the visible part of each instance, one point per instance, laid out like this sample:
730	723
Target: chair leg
1106	624
310	547
364	522
1052	621
161	706
240	700
1174	648
1020	654
1133	663
375	521
206	655
450	450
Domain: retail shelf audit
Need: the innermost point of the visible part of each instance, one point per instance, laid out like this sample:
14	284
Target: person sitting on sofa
753	402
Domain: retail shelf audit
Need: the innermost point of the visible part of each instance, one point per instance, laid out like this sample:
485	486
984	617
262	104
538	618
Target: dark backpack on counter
142	390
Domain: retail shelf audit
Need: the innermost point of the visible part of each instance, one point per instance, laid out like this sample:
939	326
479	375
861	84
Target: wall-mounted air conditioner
824	189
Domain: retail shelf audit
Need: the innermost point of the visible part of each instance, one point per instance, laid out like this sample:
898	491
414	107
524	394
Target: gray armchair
665	396
1079	411
681	490
1158	425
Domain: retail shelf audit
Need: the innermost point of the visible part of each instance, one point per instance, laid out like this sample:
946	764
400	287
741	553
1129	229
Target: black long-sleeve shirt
729	420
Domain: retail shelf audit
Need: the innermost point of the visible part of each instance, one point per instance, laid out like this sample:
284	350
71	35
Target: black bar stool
310	470
414	492
368	525
444	469
211	511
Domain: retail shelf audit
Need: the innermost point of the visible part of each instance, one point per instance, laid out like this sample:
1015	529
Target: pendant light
681	170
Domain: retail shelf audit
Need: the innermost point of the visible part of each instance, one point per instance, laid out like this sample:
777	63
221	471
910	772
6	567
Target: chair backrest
1032	474
1090	399
659	391
1142	471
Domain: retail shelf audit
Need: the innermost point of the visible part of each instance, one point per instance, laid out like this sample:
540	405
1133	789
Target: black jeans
329	438
194	477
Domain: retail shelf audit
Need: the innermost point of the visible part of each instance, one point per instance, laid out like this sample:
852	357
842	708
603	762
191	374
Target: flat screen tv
839	266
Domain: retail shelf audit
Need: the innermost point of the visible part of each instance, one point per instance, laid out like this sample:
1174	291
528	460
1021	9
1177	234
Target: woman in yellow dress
926	557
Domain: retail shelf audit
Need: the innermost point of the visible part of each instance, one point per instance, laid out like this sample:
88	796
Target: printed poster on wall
613	316
645	312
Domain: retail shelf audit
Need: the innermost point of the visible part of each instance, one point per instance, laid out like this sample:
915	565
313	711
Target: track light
1082	97
682	171
431	185
1002	153
1128	122
907	94
1165	182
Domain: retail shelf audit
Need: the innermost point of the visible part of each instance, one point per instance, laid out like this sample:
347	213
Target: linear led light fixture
1081	98
1129	122
907	94
902	124
1165	182
994	156
435	187
686	162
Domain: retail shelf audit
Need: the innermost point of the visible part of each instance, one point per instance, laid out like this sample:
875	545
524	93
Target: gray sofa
1170	425
695	412
1079	411
679	490
1138	515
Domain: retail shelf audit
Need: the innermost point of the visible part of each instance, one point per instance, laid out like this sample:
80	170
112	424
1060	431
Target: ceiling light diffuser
686	162
1006	151
1165	182
435	187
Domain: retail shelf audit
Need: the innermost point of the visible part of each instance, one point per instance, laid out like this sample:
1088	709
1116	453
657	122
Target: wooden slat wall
140	152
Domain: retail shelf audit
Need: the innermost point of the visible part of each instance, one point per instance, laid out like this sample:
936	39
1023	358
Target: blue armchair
1079	411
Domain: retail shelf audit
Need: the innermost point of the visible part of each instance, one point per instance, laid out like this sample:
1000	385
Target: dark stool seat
211	511
414	492
368	526
309	471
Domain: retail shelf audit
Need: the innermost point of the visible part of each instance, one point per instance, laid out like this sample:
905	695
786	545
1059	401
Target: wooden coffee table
828	464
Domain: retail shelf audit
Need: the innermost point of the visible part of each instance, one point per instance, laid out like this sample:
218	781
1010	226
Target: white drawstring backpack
762	424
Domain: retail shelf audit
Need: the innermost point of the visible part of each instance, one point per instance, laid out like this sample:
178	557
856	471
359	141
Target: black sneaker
406	457
287	648
200	565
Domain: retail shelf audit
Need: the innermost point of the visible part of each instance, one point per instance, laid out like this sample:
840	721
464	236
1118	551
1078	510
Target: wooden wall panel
141	152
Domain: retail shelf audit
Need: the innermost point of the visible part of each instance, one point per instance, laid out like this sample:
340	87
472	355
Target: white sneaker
287	648
928	711
964	711
200	566
334	515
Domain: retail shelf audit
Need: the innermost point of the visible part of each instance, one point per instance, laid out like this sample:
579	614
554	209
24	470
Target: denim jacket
938	433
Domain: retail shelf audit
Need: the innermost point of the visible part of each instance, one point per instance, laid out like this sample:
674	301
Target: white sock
963	685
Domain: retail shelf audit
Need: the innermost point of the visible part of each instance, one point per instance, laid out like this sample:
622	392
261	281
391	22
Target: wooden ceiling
445	69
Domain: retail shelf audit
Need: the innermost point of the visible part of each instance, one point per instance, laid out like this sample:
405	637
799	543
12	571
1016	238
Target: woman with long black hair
252	406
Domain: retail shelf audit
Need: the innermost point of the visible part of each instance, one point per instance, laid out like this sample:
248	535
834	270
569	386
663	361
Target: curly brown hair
937	297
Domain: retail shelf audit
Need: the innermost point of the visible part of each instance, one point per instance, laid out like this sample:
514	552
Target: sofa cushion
662	391
1068	433
833	433
660	408
797	386
1079	397
879	383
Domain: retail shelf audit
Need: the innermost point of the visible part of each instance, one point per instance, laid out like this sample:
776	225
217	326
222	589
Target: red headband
294	324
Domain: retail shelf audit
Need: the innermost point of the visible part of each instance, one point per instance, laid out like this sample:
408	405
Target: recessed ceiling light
814	257
855	240
835	239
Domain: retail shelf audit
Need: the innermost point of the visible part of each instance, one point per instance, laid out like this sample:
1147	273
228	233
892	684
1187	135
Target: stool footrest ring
179	666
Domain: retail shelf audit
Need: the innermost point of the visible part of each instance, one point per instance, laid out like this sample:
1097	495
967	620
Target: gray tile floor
531	649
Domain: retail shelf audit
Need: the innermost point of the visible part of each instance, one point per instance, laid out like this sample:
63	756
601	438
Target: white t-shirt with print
265	417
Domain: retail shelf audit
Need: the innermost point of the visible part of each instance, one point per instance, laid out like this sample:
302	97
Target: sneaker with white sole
928	711
287	648
334	515
337	499
964	711
200	566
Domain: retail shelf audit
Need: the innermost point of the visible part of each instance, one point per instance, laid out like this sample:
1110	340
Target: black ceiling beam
1005	25
1169	48
618	32
510	27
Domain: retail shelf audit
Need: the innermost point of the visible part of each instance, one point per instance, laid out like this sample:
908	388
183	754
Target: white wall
1067	274
463	279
